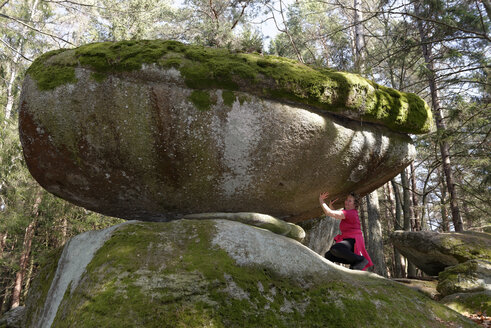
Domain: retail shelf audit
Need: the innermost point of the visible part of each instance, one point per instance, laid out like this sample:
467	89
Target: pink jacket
350	228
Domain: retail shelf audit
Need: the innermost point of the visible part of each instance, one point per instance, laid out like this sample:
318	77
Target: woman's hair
356	197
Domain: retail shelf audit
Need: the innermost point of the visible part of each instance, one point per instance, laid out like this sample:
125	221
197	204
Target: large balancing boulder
155	130
432	252
215	273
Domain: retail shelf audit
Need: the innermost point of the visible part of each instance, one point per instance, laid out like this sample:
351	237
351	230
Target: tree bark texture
400	269
398	206
407	202
375	240
445	225
3	243
408	215
359	41
363	221
414	194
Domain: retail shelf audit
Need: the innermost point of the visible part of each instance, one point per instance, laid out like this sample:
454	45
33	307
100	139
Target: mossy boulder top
270	77
155	130
215	273
432	252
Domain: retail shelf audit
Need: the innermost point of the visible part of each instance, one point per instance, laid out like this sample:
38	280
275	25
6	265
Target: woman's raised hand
323	196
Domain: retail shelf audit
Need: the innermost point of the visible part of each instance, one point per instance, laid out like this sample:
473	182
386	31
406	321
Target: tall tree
359	37
375	244
426	46
408	214
398	258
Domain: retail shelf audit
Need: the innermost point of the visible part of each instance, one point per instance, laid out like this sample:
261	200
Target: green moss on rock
171	275
462	277
467	245
40	288
201	99
228	97
264	76
49	74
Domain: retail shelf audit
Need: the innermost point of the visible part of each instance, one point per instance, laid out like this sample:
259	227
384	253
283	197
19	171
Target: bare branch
17	52
34	29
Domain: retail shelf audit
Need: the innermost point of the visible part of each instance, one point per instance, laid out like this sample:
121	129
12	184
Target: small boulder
470	276
432	252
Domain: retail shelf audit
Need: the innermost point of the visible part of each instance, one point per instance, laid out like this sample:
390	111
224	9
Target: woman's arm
328	209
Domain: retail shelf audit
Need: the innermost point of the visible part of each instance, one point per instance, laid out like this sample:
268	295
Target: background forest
438	49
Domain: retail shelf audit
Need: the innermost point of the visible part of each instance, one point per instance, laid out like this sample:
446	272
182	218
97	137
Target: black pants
343	252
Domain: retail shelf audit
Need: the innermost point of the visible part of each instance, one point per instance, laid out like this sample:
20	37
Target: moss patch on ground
469	303
270	77
170	275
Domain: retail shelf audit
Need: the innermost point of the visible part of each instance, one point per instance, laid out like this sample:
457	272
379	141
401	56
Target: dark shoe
360	265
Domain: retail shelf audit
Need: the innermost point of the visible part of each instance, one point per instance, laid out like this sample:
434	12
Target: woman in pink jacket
350	245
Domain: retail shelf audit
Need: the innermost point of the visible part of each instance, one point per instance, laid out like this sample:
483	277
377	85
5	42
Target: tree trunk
375	240
391	215
389	208
407	202
408	215
398	205
359	41
28	278
445	225
10	83
24	260
26	250
469	222
363	221
398	259
417	221
64	231
440	126
3	243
